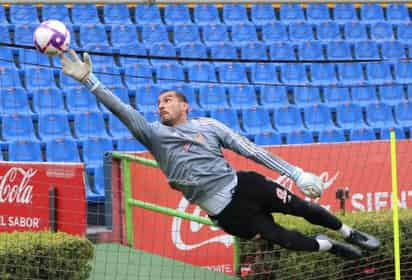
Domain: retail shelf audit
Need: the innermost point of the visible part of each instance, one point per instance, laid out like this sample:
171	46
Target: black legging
250	213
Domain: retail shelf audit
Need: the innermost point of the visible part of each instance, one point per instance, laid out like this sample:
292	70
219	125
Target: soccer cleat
342	249
363	240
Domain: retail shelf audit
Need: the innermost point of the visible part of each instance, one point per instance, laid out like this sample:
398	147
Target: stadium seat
288	119
256	121
25	150
165	53
5	38
206	14
323	74
212	97
253	51
89	124
272	97
154	33
262	14
403	114
23	34
349	116
391	94
97	192
318	117
366	50
338	51
169	73
194	51
48	100
14	101
129	144
336	95
136	49
223	50
92	34
311	50
234	13
146	97
151	116
282	51
403	72
232	73
299	137
293	73
301	32
201	72
116	14
331	136
39	77
385	133
215	33
371	13
6	57
397	13
263	73
274	32
196	113
18	127
381	31
53	126
123	35
147	14
291	13
23	14
9	77
176	14
186	33
84	14
362	134
56	12
109	75
228	117
28	56
105	59
364	95
138	74
243	32
328	31
379	115
188	90
62	150
344	12
404	33
378	73
121	92
305	96
80	99
94	150
355	31
317	13
268	138
392	50
3	18
350	73
242	97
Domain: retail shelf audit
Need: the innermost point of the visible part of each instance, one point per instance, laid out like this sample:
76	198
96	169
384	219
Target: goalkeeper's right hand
76	68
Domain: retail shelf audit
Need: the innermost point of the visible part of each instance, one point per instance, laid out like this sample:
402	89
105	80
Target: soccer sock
324	244
345	230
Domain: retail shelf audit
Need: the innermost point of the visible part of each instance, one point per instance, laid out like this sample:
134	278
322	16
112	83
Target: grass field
116	262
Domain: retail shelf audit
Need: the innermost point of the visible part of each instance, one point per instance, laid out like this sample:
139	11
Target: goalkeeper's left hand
310	184
76	68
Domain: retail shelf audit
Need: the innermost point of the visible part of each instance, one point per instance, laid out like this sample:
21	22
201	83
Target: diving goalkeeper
189	152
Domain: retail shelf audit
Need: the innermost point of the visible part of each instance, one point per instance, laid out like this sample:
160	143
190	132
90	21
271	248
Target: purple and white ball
51	37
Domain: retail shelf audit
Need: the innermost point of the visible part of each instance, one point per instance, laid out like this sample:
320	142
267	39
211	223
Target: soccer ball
51	37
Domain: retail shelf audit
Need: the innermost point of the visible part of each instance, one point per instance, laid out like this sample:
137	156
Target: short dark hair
179	95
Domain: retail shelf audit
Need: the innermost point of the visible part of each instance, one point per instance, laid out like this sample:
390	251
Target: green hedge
44	255
268	261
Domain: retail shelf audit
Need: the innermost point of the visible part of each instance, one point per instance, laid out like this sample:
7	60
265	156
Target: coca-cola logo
15	187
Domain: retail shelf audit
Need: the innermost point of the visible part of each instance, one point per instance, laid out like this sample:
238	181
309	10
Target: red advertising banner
363	168
24	196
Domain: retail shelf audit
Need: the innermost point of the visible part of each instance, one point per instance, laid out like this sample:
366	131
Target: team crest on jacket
199	137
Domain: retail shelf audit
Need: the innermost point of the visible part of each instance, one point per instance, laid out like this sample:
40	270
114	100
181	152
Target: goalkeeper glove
310	184
76	68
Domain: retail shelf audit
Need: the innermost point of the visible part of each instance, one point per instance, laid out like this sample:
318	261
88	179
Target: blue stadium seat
136	49
223	50
338	51
331	136
228	117
154	33
293	73
39	77
328	31
366	50
350	73
129	144
362	134
9	77
336	95
364	95
94	150
215	33
147	14
409	92
23	34
291	13
392	50
272	97
242	97
6	57
253	51
116	14
67	82
382	31
380	115
206	14
403	72
169	73
243	32
23	14
299	137
355	31
48	100
176	14
84	14
232	73
404	33
262	14
385	133
3	18
186	33
311	50
80	99
188	91
14	101
344	12
288	119
123	34
89	124
318	117
263	73
18	127
371	12
5	38
146	97
28	56
274	32
212	97
138	74
268	138
105	59
53	126
62	150
378	73
305	96
92	34
323	74
403	114
97	193
256	121
25	150
109	75
121	92
349	116
165	51
201	72
282	51
56	12
196	113
234	13
192	50
301	31
317	13
397	13
391	94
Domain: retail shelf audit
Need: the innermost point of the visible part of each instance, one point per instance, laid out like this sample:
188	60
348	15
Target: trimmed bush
44	255
262	260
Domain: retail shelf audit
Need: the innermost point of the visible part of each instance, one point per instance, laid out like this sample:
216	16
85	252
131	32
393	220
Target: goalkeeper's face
172	108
